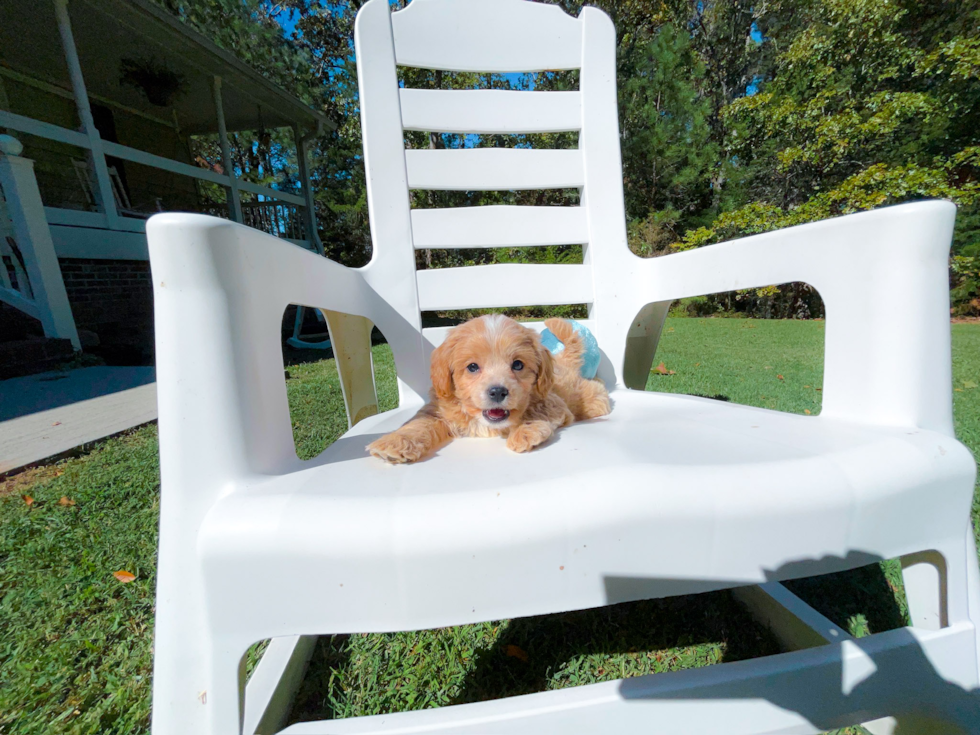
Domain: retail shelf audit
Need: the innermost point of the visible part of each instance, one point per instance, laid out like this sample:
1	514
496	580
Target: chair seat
667	495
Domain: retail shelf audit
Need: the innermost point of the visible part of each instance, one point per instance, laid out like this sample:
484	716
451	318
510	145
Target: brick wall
114	299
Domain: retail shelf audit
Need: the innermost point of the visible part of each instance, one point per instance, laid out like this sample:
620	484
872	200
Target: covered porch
123	111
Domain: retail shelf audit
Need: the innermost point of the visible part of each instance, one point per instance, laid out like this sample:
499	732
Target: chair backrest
500	37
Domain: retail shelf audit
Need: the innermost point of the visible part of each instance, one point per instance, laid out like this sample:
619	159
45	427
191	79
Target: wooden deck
49	414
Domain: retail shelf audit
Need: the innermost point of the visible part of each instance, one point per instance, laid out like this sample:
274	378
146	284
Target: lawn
75	643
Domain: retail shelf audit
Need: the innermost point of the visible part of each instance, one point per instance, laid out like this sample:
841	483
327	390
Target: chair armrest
883	276
220	290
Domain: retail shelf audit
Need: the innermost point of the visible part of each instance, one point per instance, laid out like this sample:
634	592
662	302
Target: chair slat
490	111
498	226
488	286
494	169
512	36
435	336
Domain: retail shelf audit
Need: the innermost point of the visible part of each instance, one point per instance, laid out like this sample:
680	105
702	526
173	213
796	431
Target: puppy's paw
527	436
597	406
396	449
595	400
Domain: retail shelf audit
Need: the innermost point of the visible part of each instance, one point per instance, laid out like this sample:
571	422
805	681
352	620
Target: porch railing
30	277
277	218
278	213
14	281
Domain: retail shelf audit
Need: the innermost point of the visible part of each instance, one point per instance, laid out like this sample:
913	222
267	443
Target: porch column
4	102
234	199
304	177
96	156
33	238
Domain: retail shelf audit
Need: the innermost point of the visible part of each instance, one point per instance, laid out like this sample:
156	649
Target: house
100	100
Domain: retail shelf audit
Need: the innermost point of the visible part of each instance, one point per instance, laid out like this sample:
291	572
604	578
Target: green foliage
668	151
735	119
249	29
868	104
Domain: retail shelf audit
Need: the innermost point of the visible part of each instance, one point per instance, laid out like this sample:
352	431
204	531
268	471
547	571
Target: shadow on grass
318	695
862	601
546	652
543	652
624	640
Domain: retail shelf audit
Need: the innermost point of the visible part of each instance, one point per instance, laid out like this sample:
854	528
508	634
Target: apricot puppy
493	378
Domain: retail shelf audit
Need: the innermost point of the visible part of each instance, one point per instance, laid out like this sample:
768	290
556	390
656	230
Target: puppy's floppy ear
546	370
441	370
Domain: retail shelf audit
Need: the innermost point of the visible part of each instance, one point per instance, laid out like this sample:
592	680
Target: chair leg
198	669
182	646
226	695
925	575
943	589
973	590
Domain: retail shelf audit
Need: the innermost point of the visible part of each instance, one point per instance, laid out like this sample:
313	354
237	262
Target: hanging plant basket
160	84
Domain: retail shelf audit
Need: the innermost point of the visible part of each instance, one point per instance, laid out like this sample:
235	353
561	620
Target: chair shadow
534	653
860	597
667	624
901	684
690	631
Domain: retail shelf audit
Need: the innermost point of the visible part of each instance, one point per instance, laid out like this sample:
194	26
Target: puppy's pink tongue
497	414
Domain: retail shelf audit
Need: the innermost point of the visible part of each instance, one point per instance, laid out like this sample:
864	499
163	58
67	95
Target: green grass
75	644
771	364
316	405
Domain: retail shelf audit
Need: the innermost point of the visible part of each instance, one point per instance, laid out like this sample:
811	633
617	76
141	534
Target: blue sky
287	20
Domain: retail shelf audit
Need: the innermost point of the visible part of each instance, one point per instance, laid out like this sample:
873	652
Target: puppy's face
493	367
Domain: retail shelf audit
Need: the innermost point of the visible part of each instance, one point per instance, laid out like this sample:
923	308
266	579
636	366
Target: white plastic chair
669	495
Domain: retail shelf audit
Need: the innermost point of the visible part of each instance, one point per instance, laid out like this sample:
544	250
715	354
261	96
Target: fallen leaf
28	500
662	369
697	364
781	377
123	576
516	652
806	411
969	384
806	386
65	500
56	423
820	389
767	367
958	390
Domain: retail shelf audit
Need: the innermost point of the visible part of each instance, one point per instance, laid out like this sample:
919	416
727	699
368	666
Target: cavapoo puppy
493	378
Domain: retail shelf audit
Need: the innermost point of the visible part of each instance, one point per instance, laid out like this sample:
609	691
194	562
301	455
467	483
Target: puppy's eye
517	365
472	367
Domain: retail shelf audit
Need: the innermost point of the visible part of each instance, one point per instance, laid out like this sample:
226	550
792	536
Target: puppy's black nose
497	394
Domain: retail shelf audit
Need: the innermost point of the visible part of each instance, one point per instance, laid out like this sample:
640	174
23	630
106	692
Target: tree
868	104
669	154
249	29
736	118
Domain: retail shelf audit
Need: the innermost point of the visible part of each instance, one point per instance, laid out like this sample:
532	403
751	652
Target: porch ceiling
109	31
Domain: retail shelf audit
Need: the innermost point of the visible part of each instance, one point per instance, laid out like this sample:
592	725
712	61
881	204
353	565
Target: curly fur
544	392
